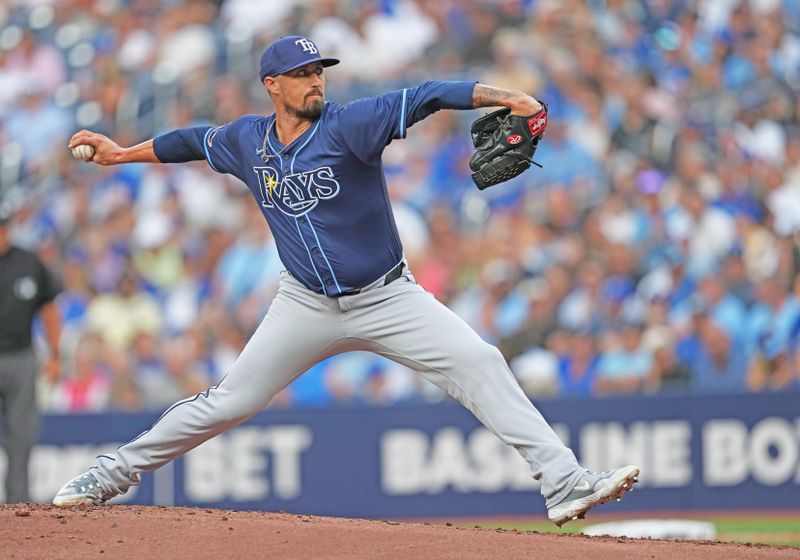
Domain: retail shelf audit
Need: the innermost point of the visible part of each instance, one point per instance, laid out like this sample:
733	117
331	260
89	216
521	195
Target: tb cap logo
307	45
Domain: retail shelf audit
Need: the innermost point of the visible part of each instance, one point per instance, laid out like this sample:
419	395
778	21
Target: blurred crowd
656	251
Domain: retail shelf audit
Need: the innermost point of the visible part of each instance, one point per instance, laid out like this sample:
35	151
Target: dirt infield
130	532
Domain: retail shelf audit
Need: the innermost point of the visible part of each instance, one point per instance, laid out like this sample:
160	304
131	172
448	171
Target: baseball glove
504	145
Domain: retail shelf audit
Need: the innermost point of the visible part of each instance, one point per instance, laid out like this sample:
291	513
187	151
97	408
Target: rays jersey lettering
325	196
298	193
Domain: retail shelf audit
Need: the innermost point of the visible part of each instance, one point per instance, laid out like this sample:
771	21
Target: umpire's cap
287	53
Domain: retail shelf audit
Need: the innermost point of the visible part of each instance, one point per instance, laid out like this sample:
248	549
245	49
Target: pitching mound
125	532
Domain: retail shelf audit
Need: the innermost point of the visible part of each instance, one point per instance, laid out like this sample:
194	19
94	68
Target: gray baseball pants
20	419
400	321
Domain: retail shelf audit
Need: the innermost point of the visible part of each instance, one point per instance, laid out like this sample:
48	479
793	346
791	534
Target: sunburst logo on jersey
272	182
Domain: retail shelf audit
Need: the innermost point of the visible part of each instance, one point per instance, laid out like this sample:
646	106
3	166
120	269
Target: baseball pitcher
314	168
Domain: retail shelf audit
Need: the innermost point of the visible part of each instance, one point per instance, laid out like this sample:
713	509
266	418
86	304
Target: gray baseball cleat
83	490
592	490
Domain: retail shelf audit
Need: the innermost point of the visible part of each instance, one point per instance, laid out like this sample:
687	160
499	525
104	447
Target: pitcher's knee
232	408
484	357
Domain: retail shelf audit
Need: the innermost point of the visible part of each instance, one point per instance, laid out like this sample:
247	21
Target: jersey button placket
317	257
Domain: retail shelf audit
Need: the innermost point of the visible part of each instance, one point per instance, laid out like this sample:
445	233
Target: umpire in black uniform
26	287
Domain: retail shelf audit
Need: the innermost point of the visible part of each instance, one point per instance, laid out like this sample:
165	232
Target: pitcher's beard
311	109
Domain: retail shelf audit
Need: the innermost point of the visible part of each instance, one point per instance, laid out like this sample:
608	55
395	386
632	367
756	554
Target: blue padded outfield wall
735	452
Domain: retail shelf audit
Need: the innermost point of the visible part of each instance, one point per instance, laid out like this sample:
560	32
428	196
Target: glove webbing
501	169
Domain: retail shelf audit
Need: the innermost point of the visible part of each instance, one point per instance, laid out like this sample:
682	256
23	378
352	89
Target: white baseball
83	152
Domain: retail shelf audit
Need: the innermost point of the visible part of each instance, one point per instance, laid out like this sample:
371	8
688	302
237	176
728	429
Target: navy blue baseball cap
287	53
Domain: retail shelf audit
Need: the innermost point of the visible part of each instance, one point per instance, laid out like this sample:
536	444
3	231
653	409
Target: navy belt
390	277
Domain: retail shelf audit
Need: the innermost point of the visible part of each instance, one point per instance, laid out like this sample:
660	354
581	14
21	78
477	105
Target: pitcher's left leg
406	324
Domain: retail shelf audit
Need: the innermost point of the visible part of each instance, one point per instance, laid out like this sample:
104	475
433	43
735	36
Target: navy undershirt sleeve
184	144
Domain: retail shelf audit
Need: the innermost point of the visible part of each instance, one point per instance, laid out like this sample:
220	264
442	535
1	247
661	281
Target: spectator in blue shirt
578	368
717	364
